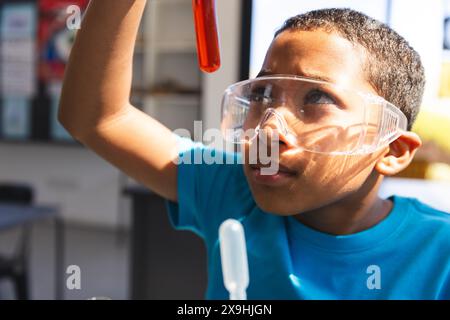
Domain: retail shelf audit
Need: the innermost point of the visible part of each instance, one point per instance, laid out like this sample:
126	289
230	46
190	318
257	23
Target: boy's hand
95	106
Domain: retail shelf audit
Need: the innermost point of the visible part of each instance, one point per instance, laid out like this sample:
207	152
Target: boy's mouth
282	176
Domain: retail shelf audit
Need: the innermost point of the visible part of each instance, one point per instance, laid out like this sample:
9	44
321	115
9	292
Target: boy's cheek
324	180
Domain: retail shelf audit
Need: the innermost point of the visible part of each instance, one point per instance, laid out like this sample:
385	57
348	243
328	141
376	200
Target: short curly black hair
392	66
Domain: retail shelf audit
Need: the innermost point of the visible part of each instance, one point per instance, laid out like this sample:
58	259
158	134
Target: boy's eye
318	105
318	97
260	95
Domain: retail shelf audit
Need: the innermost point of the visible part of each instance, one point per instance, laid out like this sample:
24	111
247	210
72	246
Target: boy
316	228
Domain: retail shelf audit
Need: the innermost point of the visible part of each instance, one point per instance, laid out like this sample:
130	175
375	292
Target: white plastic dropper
233	253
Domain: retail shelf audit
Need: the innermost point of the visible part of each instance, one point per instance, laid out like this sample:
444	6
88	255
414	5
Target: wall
84	186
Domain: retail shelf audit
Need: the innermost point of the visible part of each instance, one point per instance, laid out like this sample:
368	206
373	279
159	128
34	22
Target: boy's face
306	180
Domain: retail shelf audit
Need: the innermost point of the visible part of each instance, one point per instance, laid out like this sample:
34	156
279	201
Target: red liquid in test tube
207	37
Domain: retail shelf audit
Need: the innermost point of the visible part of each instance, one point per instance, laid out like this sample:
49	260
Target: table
13	215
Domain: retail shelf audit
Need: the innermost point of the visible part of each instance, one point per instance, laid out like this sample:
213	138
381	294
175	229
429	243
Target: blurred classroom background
61	205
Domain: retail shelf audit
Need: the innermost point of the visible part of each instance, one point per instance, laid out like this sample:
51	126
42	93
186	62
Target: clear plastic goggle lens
315	115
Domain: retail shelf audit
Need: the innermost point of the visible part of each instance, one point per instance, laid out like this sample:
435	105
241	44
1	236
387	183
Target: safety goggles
313	115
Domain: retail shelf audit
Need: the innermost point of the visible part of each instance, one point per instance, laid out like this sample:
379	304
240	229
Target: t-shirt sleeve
206	180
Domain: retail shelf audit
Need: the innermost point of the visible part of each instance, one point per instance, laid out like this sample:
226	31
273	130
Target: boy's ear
399	155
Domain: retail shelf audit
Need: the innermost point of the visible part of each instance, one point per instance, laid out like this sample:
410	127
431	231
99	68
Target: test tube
233	253
208	50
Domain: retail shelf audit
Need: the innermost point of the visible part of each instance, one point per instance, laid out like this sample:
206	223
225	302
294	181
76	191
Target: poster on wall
55	42
16	118
55	38
18	67
18	31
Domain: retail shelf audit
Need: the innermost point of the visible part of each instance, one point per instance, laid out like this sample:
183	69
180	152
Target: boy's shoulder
425	215
427	210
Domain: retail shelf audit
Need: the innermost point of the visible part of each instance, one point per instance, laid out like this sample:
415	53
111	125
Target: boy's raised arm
95	105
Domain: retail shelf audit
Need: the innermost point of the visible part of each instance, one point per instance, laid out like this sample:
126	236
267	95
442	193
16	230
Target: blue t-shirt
405	256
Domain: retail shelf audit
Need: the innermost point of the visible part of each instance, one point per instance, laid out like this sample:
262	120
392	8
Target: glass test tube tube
207	36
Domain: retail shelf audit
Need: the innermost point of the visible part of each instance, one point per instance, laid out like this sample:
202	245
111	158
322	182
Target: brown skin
332	194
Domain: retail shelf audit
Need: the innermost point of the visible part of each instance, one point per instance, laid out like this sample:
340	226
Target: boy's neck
354	213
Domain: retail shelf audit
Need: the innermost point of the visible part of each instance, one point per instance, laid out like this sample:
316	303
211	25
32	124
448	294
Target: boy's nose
274	128
275	120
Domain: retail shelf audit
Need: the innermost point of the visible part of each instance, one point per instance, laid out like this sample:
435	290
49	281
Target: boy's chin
276	205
